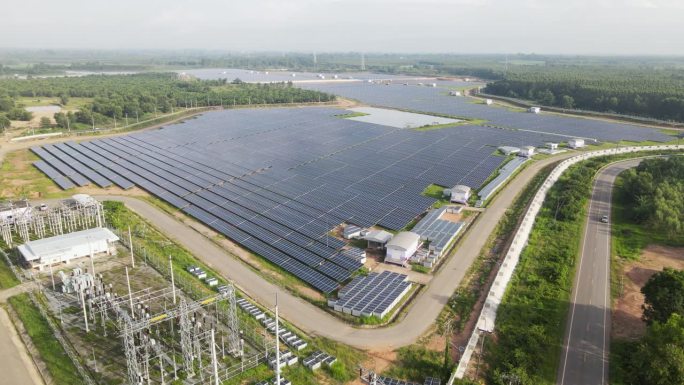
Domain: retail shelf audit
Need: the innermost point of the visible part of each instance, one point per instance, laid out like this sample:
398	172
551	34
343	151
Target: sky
604	27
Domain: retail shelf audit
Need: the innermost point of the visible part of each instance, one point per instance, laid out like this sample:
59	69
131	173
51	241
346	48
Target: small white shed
488	101
402	247
576	143
526	151
552	146
460	194
534	110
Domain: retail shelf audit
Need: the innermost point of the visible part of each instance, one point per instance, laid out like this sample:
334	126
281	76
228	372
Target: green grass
19	178
531	318
420	268
416	362
52	353
7	277
436	192
351	115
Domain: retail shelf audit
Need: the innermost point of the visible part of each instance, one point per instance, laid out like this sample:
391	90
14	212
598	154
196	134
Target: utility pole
130	295
130	244
277	335
213	358
173	284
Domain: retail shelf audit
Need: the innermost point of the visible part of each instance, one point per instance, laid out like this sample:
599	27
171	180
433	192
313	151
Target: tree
45	122
4	122
659	357
664	295
567	101
63	99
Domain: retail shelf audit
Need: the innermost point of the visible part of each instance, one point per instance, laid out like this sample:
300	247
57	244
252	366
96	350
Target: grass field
7	278
19	179
58	363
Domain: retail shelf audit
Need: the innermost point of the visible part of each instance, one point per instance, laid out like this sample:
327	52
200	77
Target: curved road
315	321
584	360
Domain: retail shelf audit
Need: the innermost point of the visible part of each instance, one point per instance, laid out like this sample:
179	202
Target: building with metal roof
64	248
377	239
402	247
460	194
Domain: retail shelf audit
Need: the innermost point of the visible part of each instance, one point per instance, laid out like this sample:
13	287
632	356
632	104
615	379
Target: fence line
487	318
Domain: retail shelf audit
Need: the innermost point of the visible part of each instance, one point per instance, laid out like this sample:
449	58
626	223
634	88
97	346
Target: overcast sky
457	26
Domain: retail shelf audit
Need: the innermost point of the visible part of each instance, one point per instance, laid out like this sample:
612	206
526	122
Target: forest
655	191
118	96
644	92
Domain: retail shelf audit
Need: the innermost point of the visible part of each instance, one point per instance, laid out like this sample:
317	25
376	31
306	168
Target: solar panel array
432	381
393	381
277	181
504	173
372	295
438	231
428	99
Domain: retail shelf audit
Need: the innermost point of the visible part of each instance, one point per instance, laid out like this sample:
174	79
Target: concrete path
586	349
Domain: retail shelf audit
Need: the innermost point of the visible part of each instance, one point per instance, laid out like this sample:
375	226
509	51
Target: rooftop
33	250
378	236
404	239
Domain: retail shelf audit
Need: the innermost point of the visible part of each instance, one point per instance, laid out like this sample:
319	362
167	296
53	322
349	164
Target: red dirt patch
627	311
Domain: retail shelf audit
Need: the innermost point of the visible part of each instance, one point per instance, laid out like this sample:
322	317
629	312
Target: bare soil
627	310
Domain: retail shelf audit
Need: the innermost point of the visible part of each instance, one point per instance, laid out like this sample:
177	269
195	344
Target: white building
552	146
534	110
508	150
488	101
460	194
576	143
64	248
527	151
455	93
377	239
402	247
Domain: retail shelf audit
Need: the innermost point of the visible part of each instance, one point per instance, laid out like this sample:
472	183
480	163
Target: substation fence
487	318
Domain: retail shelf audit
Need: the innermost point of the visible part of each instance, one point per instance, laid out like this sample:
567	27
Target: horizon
583	28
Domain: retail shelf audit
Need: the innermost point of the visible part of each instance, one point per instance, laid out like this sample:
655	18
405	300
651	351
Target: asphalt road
314	321
584	360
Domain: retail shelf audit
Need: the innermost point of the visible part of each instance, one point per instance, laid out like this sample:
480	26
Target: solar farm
437	100
372	295
277	181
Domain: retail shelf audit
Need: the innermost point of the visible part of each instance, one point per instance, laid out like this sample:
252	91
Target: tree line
135	96
655	192
645	92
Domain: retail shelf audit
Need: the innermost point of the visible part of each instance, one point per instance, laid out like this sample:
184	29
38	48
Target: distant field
74	103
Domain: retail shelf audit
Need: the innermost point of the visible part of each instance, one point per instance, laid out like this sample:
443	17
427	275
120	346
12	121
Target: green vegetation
657	358
7	277
655	190
530	318
415	362
420	268
141	96
634	226
51	352
646	92
436	192
351	115
663	295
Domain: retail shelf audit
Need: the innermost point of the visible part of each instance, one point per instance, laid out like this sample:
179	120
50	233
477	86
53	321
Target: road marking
579	278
